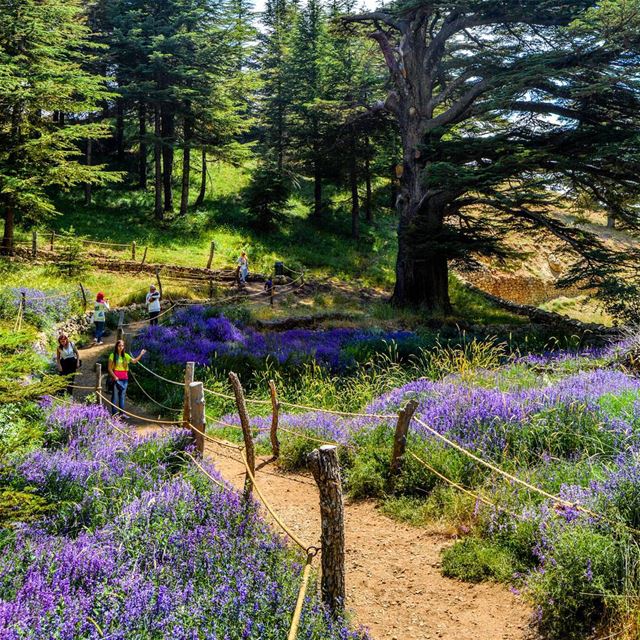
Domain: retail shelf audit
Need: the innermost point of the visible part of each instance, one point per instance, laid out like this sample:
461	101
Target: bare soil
394	584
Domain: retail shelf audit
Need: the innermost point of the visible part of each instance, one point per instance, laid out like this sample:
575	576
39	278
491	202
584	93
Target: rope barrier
297	612
459	486
550	496
137	417
269	508
204	471
159	404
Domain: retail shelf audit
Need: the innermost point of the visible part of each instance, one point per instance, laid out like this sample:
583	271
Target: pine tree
44	88
276	95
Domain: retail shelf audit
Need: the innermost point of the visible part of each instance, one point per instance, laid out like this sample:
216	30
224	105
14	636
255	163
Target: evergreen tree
489	98
44	89
276	94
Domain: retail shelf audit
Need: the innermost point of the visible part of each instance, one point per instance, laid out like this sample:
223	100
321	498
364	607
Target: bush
582	567
475	560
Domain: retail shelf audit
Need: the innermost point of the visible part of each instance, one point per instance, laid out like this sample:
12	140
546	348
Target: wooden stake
210	288
212	249
144	256
98	368
326	472
272	292
120	332
34	244
84	296
133	250
189	373
159	281
275	408
197	410
400	440
246	430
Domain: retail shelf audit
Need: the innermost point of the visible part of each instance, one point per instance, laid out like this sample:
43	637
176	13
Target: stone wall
517	287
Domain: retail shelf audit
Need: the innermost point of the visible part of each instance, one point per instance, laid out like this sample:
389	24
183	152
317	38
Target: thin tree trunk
9	224
168	131
203	180
355	200
157	165
186	166
142	141
317	191
120	130
368	204
87	185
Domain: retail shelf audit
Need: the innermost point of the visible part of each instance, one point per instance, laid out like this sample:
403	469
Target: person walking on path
100	309
119	362
67	359
153	305
243	268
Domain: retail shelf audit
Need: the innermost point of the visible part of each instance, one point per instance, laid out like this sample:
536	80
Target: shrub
475	560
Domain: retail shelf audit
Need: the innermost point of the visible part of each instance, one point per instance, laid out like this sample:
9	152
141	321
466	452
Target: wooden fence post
159	281
53	236
212	249
144	256
197	410
84	296
400	439
34	244
120	332
210	288
272	291
275	408
98	368
246	430
189	373
326	472
133	250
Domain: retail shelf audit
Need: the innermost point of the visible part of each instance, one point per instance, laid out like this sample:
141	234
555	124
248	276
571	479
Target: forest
319	319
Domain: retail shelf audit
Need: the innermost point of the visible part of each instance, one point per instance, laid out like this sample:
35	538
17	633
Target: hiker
67	359
100	309
119	362
153	305
243	268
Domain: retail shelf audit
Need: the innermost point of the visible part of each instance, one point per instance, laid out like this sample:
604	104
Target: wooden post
212	249
144	256
246	430
84	296
120	333
197	410
133	250
53	235
189	373
326	472
159	282
34	244
275	408
272	292
98	368
210	288
400	440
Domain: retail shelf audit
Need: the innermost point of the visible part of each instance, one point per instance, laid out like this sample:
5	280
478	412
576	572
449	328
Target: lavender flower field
43	308
565	422
133	542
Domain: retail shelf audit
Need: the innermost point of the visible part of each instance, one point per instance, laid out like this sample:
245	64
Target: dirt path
394	584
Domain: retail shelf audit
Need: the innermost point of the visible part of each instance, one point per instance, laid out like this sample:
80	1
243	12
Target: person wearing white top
67	359
153	304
